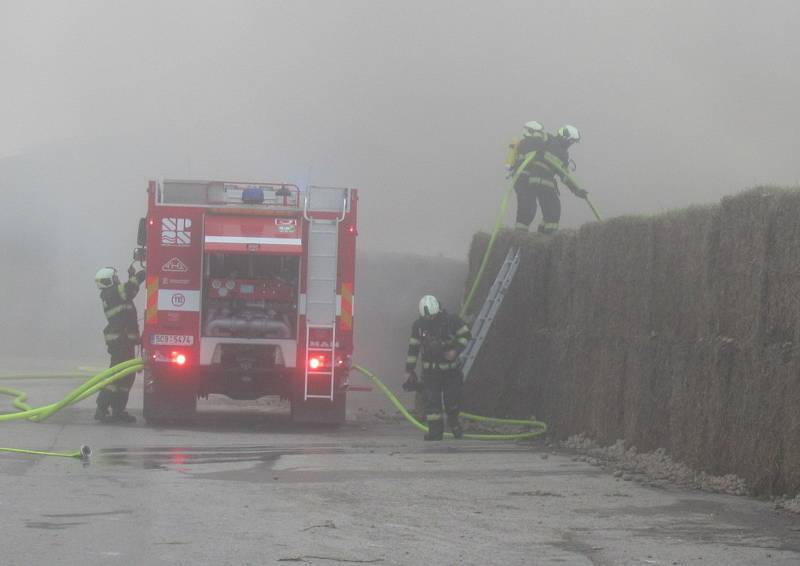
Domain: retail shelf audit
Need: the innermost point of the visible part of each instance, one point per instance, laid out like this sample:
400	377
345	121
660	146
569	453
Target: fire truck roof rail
179	192
327	200
272	196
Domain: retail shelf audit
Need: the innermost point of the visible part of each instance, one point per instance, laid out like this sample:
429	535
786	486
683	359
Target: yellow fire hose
540	426
82	453
90	387
498	223
594	210
112	374
80	393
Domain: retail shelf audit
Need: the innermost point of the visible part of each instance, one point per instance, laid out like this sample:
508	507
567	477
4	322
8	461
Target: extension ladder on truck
483	322
321	298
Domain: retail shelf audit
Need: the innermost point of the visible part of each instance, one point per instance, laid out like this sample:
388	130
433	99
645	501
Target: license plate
171	340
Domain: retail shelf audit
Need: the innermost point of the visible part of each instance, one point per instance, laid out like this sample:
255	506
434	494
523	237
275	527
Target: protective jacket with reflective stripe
431	338
536	142
120	311
550	160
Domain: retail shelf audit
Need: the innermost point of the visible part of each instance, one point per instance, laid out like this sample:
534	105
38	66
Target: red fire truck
249	293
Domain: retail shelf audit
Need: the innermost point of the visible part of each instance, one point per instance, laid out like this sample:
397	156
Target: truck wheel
319	411
162	405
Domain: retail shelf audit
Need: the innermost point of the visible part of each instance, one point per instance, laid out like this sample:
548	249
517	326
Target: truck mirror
141	236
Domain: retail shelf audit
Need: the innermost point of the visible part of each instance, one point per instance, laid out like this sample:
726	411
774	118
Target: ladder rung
495	296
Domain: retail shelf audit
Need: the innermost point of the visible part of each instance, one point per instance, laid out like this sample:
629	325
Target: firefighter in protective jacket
121	336
438	338
543	157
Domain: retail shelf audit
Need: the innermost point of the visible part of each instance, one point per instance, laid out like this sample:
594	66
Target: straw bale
676	331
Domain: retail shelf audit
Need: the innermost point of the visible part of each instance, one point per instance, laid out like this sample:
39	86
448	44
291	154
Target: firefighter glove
580	193
411	383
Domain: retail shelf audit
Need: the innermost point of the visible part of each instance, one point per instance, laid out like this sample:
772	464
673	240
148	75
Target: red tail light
178	358
316	362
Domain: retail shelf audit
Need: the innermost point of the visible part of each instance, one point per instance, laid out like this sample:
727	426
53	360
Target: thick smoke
413	102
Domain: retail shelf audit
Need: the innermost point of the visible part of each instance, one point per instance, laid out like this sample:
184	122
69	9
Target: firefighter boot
118	404
548	228
455	426
103	402
435	429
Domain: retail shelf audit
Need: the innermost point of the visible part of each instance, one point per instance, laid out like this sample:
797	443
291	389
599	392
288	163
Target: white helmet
570	133
530	128
105	277
428	306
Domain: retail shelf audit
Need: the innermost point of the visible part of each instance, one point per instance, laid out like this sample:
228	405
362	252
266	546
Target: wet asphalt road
244	486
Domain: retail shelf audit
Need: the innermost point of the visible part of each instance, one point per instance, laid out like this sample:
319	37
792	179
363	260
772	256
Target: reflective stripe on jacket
549	161
431	338
120	312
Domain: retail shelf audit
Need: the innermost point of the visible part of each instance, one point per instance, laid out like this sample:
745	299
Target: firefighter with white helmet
121	336
549	158
570	134
437	337
533	129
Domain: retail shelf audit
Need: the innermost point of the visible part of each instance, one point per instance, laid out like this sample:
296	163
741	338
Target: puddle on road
257	463
162	457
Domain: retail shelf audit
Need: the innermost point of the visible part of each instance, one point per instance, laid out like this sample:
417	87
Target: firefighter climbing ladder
483	322
322	304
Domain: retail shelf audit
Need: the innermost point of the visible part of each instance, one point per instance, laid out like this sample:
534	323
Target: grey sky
679	102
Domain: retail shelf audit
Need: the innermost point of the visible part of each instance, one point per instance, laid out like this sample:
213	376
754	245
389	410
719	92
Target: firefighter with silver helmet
544	158
121	336
437	337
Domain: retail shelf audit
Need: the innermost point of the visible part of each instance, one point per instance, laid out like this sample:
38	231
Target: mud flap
164	404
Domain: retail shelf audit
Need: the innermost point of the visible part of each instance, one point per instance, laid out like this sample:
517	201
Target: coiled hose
540	427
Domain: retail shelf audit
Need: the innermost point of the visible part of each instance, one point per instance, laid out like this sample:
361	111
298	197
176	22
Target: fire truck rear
249	293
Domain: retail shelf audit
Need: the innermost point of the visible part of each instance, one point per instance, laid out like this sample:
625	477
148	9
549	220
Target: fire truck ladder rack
483	322
322	304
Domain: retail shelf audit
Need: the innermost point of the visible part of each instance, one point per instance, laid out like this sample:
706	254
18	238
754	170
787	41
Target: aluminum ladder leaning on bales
483	322
322	302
